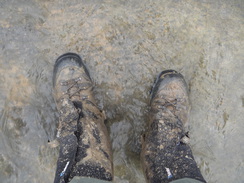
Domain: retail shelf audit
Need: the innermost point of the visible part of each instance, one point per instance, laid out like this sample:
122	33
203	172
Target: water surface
125	44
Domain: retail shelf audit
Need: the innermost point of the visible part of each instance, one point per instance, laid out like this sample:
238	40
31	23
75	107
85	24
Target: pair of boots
85	149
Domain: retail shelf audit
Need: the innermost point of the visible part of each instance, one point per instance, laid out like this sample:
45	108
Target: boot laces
165	105
77	85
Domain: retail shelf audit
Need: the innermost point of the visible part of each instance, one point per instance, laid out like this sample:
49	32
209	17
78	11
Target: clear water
125	44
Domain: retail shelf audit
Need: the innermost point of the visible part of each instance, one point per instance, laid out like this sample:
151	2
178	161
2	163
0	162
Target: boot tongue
68	109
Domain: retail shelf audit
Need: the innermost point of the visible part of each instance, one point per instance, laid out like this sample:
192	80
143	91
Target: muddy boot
165	154
85	149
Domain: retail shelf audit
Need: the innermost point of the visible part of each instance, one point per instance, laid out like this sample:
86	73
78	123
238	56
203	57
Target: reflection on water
125	44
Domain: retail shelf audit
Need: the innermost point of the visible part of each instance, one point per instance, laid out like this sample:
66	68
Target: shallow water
125	44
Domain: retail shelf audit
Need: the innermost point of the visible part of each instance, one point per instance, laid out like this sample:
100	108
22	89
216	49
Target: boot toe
68	60
165	79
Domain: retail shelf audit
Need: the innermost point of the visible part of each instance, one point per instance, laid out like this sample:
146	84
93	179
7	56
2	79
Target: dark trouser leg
165	161
84	145
66	159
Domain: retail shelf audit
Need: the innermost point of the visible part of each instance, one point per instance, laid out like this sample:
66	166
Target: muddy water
125	44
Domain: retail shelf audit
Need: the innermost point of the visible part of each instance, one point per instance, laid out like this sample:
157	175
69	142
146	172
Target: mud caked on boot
84	142
165	154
